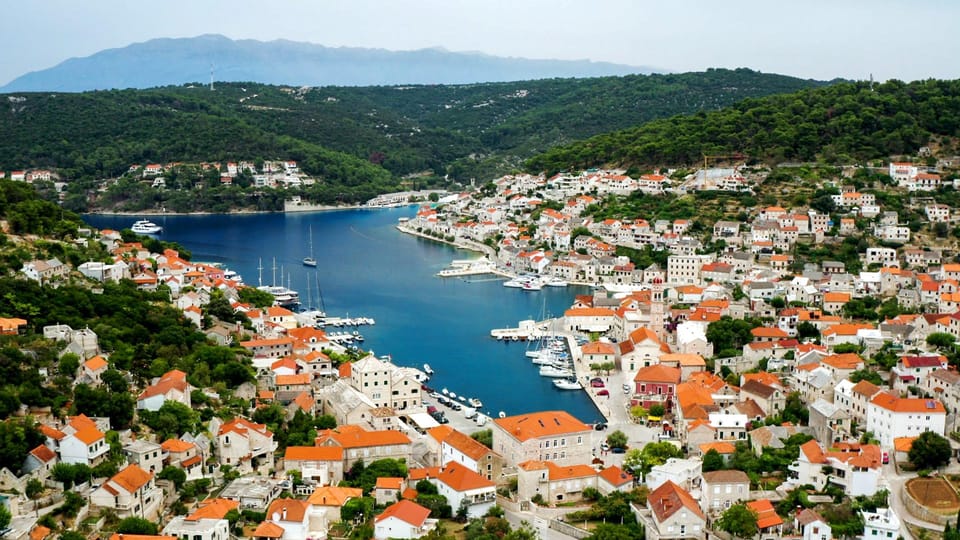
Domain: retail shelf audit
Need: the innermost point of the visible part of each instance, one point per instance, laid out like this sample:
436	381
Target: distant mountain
162	62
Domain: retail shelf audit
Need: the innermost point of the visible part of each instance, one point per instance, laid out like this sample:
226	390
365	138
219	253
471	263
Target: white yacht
555	372
567	384
144	226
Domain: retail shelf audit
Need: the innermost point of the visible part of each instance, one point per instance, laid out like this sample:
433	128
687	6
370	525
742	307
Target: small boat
427	369
462	399
144	226
513	283
567	384
475	403
309	260
445	392
452	395
554	282
532	286
502	414
555	372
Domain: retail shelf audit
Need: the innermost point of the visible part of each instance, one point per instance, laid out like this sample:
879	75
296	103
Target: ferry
282	296
144	226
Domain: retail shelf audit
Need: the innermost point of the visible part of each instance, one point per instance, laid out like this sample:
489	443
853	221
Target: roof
808	516
460	478
39	532
268	529
766	514
757	388
292	509
172	380
766	331
616	476
923	361
811	449
897	404
313	453
730	476
865	388
241	426
350	436
667	499
333	495
406	511
176	445
658	373
132	478
722	447
96	363
466	445
541	424
422	473
389	482
213	509
599	347
843	361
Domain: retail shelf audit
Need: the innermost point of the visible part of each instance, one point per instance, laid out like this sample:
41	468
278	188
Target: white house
813	525
890	416
404	519
882	524
172	386
130	492
83	442
464	487
245	445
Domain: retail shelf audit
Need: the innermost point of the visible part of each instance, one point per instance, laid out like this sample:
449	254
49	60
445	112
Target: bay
366	267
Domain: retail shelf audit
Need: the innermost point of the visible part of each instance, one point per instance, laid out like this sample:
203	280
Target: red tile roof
406	511
668	499
541	424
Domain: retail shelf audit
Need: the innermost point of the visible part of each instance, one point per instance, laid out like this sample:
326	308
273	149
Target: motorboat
144	226
555	372
532	285
427	369
475	403
567	384
554	282
282	296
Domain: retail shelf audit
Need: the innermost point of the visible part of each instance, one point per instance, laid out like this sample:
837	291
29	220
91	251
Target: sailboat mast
274	282
260	272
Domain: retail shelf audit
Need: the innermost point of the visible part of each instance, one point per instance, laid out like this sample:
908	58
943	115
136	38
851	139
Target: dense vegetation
837	123
357	141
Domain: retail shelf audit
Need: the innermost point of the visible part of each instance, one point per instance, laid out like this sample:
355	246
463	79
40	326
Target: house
91	370
44	271
207	522
322	465
830	422
882	524
890	416
723	489
813	525
326	503
554	483
172	386
41	459
83	442
614	478
656	385
685	473
542	436
290	515
144	454
360	444
130	493
388	489
461	448
770	399
769	524
245	445
854	467
914	370
465	488
184	455
403	519
673	514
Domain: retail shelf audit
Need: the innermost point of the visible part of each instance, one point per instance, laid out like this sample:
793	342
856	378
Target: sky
819	39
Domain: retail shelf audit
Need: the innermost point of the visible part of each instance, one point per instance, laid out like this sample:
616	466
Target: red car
603	392
596	382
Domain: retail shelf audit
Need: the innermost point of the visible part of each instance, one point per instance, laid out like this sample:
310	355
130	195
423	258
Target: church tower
657	308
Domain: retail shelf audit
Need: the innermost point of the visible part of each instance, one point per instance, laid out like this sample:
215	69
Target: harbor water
368	268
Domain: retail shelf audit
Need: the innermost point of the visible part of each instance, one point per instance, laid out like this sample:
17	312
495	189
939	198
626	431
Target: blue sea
366	267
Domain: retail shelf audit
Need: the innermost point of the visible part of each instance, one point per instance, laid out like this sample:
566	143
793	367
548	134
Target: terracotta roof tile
541	424
668	499
406	511
460	478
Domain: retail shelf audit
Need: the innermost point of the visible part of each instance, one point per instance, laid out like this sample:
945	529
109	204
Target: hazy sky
820	39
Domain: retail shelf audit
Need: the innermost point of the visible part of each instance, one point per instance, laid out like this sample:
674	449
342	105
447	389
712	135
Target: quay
527	329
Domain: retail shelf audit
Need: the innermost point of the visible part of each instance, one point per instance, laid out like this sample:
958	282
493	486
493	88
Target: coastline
155	213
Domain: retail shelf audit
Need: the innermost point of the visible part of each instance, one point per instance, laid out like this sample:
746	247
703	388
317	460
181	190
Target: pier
528	329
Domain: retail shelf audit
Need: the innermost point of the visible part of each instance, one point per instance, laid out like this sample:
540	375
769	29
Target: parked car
604	446
618	450
596	382
600	426
431	409
627	389
603	392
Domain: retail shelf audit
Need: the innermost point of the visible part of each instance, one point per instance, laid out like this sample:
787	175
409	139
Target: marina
369	268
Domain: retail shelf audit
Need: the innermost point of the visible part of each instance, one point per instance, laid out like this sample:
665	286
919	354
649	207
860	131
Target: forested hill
356	139
837	123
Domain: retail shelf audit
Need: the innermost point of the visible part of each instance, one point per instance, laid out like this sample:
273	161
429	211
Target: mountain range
175	61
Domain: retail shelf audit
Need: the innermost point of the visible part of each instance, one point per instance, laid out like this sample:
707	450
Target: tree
135	525
484	437
174	474
807	329
739	521
34	488
712	461
617	439
795	410
929	451
653	454
729	333
866	374
657	410
5	517
941	340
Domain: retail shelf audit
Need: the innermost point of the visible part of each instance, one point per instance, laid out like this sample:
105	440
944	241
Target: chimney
284	515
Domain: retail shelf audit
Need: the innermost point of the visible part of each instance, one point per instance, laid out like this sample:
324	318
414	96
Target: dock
527	329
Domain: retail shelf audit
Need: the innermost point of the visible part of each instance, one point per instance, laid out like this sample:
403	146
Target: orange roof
766	514
898	404
722	447
589	312
334	495
812	450
669	498
466	445
440	432
39	533
406	511
843	361
460	478
422	473
598	347
389	482
768	379
132	478
213	509
903	444
300	378
171	380
768	332
313	453
541	424
120	536
176	445
350	436
684	360
268	529
51	432
865	388
345	370
836	297
658	373
616	476
846	329
293	509
43	453
96	363
558	472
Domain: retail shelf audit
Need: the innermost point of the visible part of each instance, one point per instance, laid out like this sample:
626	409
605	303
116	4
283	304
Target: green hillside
837	123
358	141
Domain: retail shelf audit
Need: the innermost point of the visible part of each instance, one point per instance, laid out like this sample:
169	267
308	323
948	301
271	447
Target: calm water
368	268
